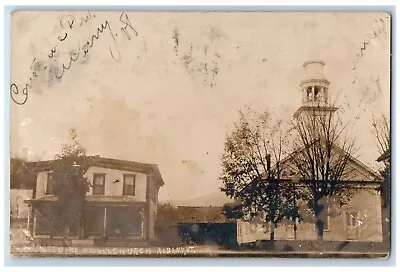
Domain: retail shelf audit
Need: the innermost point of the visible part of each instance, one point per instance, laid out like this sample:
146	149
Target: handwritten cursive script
69	23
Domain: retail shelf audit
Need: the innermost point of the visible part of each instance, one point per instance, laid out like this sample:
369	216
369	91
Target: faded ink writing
68	23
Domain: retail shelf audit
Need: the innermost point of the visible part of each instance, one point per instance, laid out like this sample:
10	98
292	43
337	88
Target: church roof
365	171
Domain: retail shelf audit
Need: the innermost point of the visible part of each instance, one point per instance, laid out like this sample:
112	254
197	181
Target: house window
129	184
352	223
50	188
98	184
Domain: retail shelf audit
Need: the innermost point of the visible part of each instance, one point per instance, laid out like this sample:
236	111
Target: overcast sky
171	94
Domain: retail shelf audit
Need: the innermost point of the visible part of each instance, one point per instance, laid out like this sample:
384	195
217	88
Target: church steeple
314	88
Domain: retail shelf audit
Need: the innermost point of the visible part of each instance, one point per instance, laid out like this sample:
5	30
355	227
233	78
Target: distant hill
214	199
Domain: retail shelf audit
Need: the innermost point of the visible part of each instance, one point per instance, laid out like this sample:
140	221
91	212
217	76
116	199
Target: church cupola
314	88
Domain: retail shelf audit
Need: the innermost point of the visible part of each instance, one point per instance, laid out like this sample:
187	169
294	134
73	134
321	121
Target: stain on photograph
200	134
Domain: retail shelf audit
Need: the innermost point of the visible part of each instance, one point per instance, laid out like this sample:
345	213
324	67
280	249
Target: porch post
105	223
143	227
82	225
34	217
29	223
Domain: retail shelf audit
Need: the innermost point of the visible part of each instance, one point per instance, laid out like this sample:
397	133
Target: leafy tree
70	188
20	176
16	164
232	210
166	225
247	174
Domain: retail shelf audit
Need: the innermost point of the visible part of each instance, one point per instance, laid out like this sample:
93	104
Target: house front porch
104	221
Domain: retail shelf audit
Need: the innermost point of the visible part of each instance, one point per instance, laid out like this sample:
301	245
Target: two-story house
121	204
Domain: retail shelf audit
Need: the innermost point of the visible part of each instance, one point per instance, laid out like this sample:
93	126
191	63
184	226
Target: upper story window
98	184
129	184
50	187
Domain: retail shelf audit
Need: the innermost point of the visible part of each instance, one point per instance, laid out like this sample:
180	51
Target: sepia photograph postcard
200	134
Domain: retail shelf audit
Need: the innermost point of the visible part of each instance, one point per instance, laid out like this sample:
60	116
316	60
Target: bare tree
382	134
323	152
247	173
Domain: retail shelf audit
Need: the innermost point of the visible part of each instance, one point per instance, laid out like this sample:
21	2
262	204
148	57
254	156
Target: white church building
360	218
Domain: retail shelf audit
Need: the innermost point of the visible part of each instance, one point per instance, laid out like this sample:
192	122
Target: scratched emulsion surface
165	88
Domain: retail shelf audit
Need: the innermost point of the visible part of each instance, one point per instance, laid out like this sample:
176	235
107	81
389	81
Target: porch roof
90	199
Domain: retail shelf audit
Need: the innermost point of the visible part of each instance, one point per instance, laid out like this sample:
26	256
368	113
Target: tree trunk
386	226
319	224
272	234
385	217
385	212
